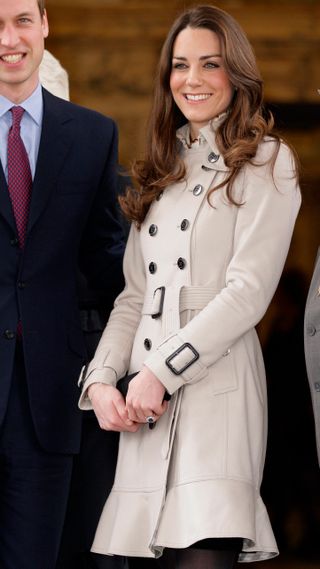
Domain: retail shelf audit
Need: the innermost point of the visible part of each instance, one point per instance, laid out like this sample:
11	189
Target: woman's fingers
145	397
110	409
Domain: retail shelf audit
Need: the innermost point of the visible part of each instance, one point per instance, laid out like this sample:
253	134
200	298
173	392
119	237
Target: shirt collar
33	105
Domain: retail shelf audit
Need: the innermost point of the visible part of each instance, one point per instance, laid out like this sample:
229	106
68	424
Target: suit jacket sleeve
102	246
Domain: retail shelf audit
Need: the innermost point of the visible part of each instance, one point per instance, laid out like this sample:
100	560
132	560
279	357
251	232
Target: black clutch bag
123	385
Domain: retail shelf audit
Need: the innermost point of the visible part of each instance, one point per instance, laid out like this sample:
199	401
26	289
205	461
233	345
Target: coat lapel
56	139
5	203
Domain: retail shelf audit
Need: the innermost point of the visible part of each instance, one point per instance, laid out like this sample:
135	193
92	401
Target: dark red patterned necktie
19	175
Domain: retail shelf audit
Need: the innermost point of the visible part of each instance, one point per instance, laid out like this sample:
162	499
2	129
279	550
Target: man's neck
18	93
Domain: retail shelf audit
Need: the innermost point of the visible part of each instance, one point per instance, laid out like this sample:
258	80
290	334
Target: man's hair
41	4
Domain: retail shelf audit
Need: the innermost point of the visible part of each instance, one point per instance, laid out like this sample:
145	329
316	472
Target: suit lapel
5	203
56	139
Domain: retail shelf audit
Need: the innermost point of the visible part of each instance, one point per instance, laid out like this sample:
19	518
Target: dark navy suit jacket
73	222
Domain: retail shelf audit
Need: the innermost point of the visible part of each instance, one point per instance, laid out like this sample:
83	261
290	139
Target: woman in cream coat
205	254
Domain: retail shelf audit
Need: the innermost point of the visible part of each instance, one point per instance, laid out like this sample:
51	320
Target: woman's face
199	82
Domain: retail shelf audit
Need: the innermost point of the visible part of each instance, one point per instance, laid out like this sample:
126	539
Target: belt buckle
163	290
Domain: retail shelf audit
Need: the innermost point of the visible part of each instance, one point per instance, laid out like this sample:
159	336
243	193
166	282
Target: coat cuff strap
176	363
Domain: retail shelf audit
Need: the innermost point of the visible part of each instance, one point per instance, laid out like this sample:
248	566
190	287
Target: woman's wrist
92	389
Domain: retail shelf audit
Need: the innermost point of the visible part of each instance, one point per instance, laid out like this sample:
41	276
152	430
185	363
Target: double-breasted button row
184	224
311	331
152	267
153	229
197	190
213	157
181	263
147	344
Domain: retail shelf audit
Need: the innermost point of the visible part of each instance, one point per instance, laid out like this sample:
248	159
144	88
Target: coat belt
186	297
169	302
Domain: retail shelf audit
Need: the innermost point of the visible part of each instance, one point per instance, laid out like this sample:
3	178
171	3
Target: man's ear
45	24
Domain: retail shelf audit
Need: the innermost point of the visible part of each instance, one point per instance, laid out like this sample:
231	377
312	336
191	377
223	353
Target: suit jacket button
181	263
9	335
153	229
311	330
184	225
147	344
21	284
14	242
213	157
152	267
197	190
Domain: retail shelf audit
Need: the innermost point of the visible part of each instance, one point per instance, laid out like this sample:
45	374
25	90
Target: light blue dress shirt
31	124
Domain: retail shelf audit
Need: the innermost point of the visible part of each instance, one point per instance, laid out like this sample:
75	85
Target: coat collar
214	160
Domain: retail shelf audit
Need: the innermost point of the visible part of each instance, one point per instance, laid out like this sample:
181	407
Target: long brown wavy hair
237	138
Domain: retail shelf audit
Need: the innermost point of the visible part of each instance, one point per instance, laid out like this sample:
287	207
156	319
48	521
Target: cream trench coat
197	474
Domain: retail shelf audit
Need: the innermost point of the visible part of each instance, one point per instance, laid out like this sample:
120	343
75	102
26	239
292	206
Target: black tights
191	558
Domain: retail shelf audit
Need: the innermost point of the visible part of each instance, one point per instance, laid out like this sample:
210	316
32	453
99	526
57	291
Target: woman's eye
179	66
211	65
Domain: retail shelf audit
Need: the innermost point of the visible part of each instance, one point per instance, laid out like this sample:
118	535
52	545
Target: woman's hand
145	397
110	408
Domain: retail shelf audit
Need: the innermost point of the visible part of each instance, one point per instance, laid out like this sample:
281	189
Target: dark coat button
184	224
14	242
22	284
152	267
311	330
181	263
213	157
9	335
197	190
153	229
147	344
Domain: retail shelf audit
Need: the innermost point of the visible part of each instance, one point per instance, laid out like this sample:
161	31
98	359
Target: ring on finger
150	420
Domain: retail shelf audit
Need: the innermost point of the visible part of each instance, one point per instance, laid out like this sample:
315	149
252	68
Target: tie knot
17	113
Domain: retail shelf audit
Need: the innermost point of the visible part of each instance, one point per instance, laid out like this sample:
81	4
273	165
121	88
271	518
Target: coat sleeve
111	359
261	239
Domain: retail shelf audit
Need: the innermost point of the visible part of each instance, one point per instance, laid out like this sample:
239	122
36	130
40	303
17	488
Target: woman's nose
193	77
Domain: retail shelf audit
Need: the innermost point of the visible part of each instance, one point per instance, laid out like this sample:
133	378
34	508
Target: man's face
22	33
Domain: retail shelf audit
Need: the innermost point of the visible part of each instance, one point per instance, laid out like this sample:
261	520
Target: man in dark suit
71	219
